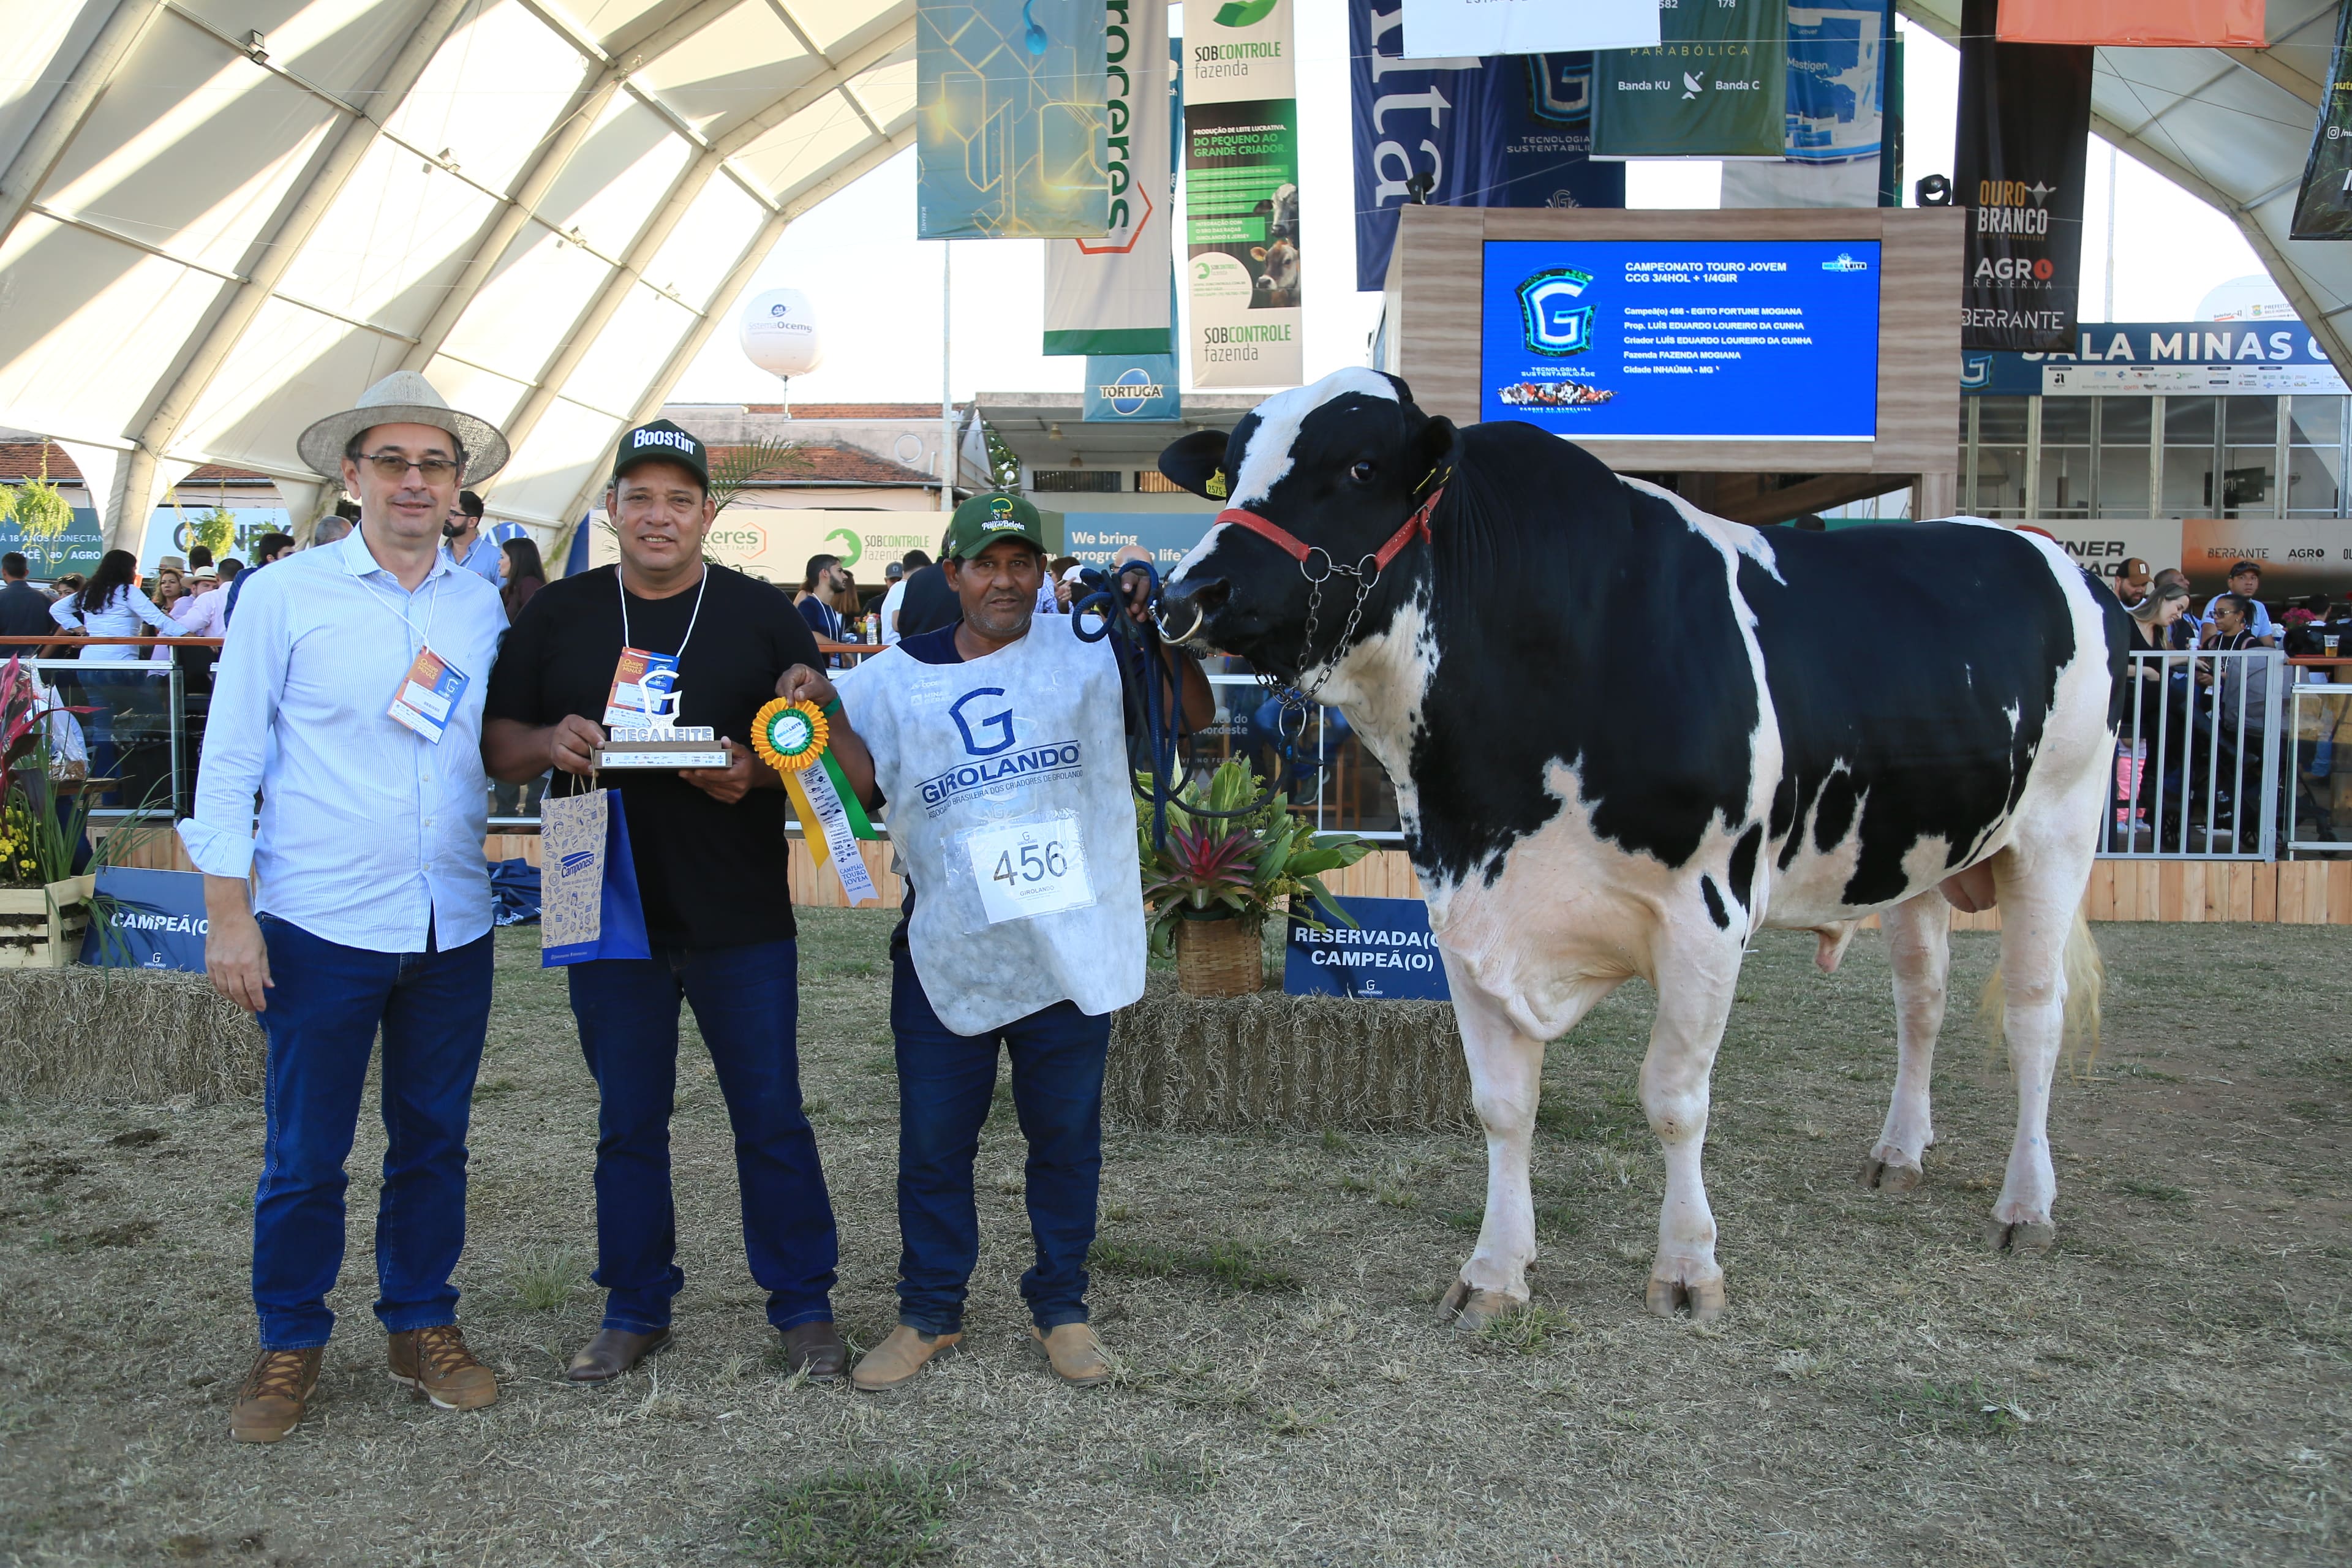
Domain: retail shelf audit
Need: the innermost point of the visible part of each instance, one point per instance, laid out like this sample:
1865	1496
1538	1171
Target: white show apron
1003	775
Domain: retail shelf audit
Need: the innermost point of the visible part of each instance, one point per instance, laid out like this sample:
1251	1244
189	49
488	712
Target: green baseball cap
662	442
984	519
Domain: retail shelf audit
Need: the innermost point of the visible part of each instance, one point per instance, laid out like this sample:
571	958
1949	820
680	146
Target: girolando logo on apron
1001	722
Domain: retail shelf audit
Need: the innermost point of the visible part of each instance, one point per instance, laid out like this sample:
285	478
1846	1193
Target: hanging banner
1241	180
2136	24
1109	296
1125	388
2025	126
1473	27
1012	118
2324	209
1716	86
1836	114
1504	131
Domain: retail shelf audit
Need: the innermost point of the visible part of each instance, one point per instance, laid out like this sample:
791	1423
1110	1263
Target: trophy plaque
662	743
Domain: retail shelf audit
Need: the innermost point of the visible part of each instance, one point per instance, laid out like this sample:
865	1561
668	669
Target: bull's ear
1197	462
1434	447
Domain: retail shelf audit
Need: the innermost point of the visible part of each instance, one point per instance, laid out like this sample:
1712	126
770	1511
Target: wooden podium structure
1436	312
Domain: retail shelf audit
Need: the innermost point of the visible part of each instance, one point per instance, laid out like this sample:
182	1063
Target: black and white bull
1626	735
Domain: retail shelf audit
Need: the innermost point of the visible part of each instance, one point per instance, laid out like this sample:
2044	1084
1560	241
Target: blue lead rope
1143	665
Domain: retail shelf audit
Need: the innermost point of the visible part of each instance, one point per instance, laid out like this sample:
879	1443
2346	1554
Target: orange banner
2135	24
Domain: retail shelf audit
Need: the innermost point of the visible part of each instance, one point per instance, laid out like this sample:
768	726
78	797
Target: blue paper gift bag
588	882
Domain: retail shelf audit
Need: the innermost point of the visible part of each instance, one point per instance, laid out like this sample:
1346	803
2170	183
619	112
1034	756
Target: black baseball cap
662	441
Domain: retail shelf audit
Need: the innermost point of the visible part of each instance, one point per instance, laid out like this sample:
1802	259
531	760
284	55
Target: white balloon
778	332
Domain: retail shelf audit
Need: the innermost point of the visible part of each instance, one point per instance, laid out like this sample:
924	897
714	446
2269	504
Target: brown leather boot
614	1352
1074	1352
435	1362
275	1393
816	1351
899	1357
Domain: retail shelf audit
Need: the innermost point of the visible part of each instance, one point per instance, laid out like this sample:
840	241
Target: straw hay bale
1195	1064
131	1035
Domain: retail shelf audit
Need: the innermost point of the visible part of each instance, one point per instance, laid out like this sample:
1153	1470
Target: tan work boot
435	1362
270	1404
899	1357
1074	1352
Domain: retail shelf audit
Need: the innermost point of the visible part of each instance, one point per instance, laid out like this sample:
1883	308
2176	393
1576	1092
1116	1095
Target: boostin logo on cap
678	438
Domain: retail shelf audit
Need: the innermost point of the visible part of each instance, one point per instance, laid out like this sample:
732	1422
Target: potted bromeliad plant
43	905
1212	884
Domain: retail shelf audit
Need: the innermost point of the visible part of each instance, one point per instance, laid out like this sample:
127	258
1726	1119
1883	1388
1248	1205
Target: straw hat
403	397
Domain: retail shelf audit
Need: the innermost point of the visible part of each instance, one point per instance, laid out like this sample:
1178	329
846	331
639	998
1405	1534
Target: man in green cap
1001	742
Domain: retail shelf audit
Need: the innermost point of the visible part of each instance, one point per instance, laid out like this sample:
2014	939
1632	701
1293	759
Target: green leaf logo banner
1244	13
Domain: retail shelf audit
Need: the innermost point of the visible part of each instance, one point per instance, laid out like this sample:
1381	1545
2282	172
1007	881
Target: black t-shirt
24	613
710	875
927	604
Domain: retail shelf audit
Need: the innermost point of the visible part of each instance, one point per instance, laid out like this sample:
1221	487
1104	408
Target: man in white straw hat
348	697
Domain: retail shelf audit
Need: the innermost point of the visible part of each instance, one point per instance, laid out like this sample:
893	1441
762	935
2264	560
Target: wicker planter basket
1218	958
40	927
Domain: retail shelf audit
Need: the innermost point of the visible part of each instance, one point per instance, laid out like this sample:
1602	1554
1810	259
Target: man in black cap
710	853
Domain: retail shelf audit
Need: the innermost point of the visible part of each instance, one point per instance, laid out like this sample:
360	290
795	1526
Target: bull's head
1336	471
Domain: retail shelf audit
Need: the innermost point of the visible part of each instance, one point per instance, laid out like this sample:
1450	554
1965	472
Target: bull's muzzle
1186	604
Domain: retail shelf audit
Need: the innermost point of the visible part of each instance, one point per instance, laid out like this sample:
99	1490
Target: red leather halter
1415	527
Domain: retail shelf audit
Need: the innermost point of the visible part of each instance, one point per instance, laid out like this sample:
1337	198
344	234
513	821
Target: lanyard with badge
432	687
644	682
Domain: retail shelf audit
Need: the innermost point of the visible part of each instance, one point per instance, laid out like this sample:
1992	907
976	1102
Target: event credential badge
428	694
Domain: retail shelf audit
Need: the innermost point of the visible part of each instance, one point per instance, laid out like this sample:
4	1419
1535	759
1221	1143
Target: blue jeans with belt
946	1082
324	1007
746	1001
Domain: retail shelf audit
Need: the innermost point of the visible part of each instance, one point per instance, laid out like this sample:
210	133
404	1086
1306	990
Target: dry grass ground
2169	1385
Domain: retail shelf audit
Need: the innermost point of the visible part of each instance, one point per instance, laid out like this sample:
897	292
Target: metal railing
2319	707
2196	758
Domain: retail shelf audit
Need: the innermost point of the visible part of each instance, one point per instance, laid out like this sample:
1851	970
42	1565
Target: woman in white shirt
126	731
111	605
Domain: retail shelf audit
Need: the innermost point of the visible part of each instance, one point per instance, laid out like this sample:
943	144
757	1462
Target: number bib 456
1031	868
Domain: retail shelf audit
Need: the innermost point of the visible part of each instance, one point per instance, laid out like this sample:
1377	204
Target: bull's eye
1362	473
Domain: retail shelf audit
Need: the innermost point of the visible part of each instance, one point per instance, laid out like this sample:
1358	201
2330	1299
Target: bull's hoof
2031	1237
1889	1175
1469	1308
1703	1301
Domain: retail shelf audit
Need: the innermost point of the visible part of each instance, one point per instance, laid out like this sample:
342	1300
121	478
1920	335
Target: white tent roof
2232	127
220	219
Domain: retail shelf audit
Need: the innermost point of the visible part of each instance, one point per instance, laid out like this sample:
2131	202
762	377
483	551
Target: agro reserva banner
1111	295
2299	556
1241	176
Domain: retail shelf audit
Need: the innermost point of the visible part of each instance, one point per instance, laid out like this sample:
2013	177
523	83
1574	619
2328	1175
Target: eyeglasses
393	465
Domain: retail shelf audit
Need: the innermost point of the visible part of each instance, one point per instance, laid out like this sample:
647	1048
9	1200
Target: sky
875	289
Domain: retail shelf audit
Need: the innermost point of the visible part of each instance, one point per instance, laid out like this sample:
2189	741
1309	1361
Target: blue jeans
325	1006
945	1083
747	1001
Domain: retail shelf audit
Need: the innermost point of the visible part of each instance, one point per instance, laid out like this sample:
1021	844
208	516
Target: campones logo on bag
1132	389
579	860
1553	323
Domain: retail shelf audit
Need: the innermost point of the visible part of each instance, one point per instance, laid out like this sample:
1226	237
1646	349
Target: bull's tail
2085	974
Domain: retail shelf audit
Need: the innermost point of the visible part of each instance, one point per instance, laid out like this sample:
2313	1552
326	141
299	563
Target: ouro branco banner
1111	295
2025	127
1011	120
1241	176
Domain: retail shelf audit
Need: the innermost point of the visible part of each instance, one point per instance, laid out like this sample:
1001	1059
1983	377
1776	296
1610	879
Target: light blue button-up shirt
369	832
482	560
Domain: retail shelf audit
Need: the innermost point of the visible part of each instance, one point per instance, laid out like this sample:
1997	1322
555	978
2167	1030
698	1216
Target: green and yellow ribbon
793	737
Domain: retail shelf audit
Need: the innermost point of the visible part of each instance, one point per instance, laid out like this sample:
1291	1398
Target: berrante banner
2025	126
1241	193
1717	86
1012	135
1507	131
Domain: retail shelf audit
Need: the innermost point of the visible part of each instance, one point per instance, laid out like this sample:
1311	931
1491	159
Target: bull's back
1914	671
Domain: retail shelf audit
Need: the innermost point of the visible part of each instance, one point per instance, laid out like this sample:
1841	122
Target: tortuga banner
1011	120
1241	177
1111	295
1717	86
2323	210
1838	62
2136	24
1474	28
1507	131
2025	126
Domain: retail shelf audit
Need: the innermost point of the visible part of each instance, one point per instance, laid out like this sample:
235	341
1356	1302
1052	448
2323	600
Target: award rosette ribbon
791	737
